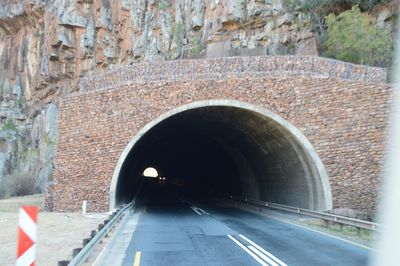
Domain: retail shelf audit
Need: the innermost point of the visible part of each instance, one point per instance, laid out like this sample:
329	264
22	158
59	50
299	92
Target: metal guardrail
320	215
87	249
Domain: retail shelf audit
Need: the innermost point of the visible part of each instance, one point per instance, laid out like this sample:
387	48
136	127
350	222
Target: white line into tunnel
248	251
265	258
203	211
264	251
195	209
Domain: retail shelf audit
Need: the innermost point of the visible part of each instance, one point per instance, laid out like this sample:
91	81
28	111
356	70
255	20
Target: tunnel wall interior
229	150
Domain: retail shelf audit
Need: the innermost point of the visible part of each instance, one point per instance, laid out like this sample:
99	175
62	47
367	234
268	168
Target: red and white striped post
27	236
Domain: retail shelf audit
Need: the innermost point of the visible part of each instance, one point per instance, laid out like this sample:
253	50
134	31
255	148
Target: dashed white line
264	251
248	251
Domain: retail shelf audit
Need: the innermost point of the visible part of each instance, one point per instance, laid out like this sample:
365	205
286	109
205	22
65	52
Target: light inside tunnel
230	148
150	172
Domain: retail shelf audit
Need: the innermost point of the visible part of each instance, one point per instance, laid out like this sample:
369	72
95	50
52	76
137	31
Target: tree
355	37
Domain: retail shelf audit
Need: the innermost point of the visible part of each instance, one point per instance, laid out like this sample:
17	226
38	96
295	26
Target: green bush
178	32
9	125
17	185
23	185
326	6
354	37
196	46
164	5
319	9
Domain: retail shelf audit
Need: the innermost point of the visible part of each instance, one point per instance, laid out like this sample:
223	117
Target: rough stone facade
46	46
341	108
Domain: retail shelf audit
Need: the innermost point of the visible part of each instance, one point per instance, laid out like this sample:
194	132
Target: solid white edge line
263	256
248	251
264	251
194	209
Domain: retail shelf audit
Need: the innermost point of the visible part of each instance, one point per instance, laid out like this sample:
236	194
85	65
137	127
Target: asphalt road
170	230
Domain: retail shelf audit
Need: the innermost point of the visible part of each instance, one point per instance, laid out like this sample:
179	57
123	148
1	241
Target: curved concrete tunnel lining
245	149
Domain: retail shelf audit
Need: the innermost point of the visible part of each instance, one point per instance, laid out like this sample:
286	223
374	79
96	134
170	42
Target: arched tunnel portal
227	147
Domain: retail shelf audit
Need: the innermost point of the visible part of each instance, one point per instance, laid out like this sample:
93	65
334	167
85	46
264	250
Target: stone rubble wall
46	46
344	116
221	68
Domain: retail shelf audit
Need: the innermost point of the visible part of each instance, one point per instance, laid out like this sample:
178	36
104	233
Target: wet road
168	229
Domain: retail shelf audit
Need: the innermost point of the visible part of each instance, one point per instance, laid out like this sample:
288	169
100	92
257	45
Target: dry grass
12	204
58	233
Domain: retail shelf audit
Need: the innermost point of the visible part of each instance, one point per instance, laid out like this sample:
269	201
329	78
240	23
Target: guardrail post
81	254
75	251
85	241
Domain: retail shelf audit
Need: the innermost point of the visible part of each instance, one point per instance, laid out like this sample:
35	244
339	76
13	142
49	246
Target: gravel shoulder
58	233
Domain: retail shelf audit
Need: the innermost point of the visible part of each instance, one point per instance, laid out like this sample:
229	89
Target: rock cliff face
46	46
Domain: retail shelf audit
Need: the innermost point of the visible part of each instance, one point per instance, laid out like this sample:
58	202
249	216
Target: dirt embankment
58	233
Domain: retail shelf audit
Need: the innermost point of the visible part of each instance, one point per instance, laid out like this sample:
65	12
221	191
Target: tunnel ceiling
229	150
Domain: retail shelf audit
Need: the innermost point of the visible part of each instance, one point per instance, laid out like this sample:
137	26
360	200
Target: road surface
168	229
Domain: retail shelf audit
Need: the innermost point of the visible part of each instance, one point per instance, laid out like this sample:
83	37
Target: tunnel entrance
228	147
150	172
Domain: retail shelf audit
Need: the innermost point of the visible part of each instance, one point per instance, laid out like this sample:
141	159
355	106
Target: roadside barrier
27	228
319	215
81	254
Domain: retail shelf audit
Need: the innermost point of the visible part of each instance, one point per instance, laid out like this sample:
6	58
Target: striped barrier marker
27	236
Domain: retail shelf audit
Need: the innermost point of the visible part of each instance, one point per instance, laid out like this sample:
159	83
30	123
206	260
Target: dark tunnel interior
228	150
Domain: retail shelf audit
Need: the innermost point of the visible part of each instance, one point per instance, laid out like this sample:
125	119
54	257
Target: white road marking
261	255
195	209
203	211
248	251
264	251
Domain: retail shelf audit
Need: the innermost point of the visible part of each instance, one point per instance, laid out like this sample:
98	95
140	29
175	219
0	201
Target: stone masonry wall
345	119
221	68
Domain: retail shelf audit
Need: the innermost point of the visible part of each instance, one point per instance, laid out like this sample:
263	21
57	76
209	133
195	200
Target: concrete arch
314	182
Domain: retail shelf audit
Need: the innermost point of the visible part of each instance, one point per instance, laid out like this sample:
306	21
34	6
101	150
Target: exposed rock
27	150
219	49
46	46
68	14
307	47
285	19
198	14
346	212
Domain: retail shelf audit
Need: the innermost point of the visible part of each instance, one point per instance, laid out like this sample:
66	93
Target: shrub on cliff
354	37
326	6
17	185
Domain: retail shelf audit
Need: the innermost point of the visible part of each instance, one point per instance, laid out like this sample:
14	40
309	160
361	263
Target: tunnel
226	147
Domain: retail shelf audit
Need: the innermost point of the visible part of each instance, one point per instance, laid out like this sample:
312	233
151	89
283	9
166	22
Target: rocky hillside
46	46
